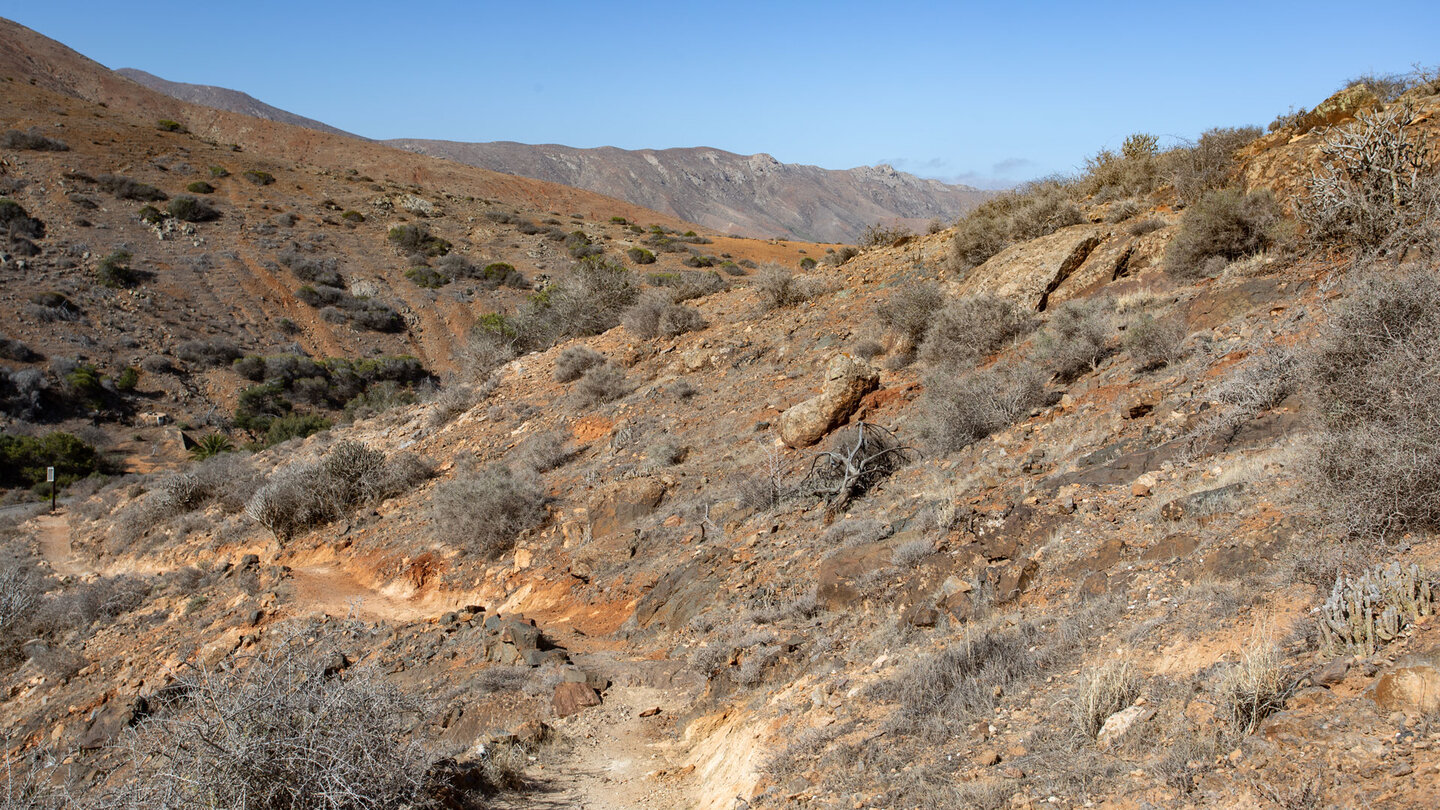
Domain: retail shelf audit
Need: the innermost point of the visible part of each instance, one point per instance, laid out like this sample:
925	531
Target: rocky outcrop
223	99
1029	272
847	381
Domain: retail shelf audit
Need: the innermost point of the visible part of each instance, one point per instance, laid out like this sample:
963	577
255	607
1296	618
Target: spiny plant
1366	612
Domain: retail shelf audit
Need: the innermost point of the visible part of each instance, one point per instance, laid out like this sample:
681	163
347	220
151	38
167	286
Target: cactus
1367	612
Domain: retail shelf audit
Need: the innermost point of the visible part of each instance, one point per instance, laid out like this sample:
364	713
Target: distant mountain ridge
748	195
230	100
754	195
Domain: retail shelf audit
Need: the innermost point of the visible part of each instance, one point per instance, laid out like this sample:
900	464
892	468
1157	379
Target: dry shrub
603	383
545	451
1208	165
1079	335
779	288
959	409
1035	210
1226	225
484	510
575	361
969	329
284	731
909	311
1153	343
1378	187
1103	691
1375	381
657	314
1254	688
308	494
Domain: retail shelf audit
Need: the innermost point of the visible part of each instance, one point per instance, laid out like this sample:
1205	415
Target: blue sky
985	93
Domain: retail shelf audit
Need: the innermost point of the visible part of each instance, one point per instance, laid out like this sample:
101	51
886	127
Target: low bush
1374	379
600	384
1036	210
190	209
115	271
881	235
200	187
957	410
1253	689
483	511
17	223
309	494
967	330
1153	343
1225	225
169	125
11	349
779	288
1210	164
282	730
418	239
31	140
1078	336
427	277
575	361
639	255
910	311
258	177
207	352
657	315
126	189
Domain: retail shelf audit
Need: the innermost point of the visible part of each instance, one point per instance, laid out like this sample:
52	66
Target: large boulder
1027	273
847	381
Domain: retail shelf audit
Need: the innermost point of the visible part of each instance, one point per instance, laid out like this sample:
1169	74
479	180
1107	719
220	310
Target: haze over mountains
749	195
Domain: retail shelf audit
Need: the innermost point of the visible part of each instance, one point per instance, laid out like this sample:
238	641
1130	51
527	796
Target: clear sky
984	93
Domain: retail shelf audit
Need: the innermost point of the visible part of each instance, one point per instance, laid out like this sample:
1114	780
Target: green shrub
353	216
806	263
259	405
167	125
219	171
151	215
483	511
211	444
190	209
258	177
427	277
23	459
200	187
640	255
418	239
115	271
128	379
294	426
1223	225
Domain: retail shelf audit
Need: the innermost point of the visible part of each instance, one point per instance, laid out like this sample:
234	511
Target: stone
847	380
988	758
1015	578
1119	724
110	720
531	733
1027	273
1413	690
650	712
1140	489
1333	672
571	698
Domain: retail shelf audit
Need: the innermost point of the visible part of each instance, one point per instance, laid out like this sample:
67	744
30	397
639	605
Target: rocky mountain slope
753	195
1115	494
222	98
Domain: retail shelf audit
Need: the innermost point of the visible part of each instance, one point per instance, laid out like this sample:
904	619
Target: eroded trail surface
53	534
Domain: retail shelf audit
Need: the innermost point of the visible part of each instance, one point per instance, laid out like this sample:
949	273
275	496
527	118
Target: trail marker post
50	476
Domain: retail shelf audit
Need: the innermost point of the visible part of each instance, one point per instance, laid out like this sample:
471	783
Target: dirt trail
53	534
609	757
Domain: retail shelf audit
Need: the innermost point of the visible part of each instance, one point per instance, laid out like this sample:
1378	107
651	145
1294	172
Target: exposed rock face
223	99
570	698
847	380
1035	269
750	195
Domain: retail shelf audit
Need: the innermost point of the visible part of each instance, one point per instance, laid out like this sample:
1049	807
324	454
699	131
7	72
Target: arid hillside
742	195
1118	492
751	195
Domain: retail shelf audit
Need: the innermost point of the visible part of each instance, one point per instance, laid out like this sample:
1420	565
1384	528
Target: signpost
50	476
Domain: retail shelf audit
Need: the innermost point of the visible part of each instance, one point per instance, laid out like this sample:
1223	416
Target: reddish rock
570	698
